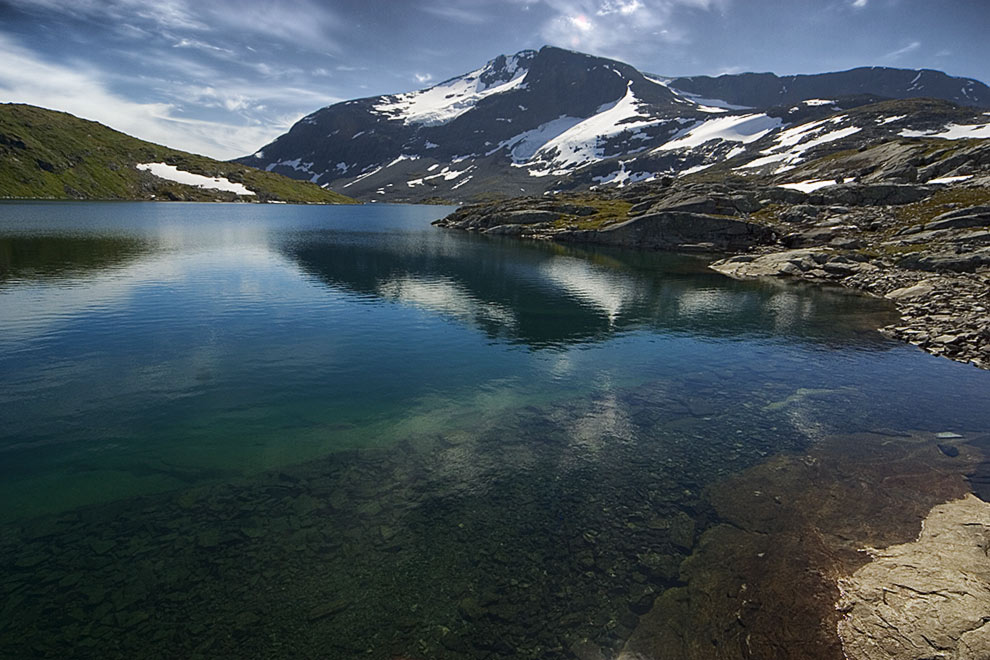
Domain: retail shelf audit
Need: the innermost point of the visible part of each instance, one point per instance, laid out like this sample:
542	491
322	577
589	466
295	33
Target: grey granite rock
925	599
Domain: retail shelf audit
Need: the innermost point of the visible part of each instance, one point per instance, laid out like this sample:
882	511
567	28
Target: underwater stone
328	609
682	531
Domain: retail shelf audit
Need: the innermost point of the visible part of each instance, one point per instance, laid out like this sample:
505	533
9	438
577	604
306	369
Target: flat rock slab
926	599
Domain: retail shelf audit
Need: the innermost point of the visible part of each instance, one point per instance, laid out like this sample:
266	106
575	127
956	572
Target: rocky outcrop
946	314
926	599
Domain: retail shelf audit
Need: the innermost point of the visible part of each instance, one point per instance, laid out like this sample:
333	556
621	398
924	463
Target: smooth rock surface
926	599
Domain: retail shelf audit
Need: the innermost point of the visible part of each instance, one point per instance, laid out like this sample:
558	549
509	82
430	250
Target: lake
232	430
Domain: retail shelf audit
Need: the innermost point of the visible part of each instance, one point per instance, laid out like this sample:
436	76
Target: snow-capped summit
542	120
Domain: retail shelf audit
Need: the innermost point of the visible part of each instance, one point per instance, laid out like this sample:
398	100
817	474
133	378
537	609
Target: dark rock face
675	230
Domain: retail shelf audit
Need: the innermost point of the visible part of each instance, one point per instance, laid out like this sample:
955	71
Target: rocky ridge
923	246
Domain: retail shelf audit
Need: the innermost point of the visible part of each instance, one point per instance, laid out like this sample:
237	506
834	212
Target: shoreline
943	313
926	248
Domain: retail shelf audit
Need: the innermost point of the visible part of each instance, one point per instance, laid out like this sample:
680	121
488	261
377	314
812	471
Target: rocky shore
925	247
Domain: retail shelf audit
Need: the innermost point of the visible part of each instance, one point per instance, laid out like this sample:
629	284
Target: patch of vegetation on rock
46	154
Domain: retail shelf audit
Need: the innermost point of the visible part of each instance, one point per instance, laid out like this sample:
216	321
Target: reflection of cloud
605	290
700	303
606	423
447	298
32	309
789	309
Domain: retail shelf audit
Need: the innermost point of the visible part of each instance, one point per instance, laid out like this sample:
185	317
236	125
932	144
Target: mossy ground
609	212
941	202
53	155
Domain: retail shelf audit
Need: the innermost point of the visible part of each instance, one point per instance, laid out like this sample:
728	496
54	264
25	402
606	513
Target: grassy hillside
54	155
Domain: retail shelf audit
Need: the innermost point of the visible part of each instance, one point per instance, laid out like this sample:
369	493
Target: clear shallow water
280	430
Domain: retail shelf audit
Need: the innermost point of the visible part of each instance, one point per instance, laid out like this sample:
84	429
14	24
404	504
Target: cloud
459	13
201	45
900	52
292	21
859	4
75	88
619	28
422	78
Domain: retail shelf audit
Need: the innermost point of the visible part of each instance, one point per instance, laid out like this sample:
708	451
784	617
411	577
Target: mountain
54	155
767	89
553	119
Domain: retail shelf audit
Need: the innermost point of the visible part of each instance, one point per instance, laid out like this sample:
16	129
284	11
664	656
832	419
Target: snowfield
445	102
791	144
741	128
812	185
581	144
172	173
953	132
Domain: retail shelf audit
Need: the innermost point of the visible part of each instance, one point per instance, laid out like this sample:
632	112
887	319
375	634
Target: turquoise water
301	431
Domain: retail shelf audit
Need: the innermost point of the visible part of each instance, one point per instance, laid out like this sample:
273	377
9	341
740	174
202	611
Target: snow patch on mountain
522	147
951	179
581	144
621	177
883	121
791	144
445	102
737	128
812	185
173	173
707	105
446	174
953	132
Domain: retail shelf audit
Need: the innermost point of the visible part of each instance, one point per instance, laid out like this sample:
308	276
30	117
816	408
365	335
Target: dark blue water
269	410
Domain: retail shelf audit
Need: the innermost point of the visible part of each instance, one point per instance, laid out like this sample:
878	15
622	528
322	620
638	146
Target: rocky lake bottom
356	436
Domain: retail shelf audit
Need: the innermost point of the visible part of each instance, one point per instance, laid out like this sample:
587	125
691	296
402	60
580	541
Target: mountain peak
553	118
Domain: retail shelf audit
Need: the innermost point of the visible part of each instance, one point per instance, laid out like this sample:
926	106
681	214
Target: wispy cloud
293	21
201	45
859	4
458	12
895	55
81	90
619	27
423	78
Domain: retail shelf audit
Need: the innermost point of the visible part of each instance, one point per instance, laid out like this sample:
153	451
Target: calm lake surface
301	431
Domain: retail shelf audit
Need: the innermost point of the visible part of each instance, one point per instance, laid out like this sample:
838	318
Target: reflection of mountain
544	294
34	257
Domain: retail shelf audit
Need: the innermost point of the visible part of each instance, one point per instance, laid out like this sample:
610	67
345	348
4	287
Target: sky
224	77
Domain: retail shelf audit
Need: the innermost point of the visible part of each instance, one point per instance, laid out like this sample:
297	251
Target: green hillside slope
46	154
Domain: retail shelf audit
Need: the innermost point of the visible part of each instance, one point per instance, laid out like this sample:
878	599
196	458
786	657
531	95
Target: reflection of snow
445	297
605	290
